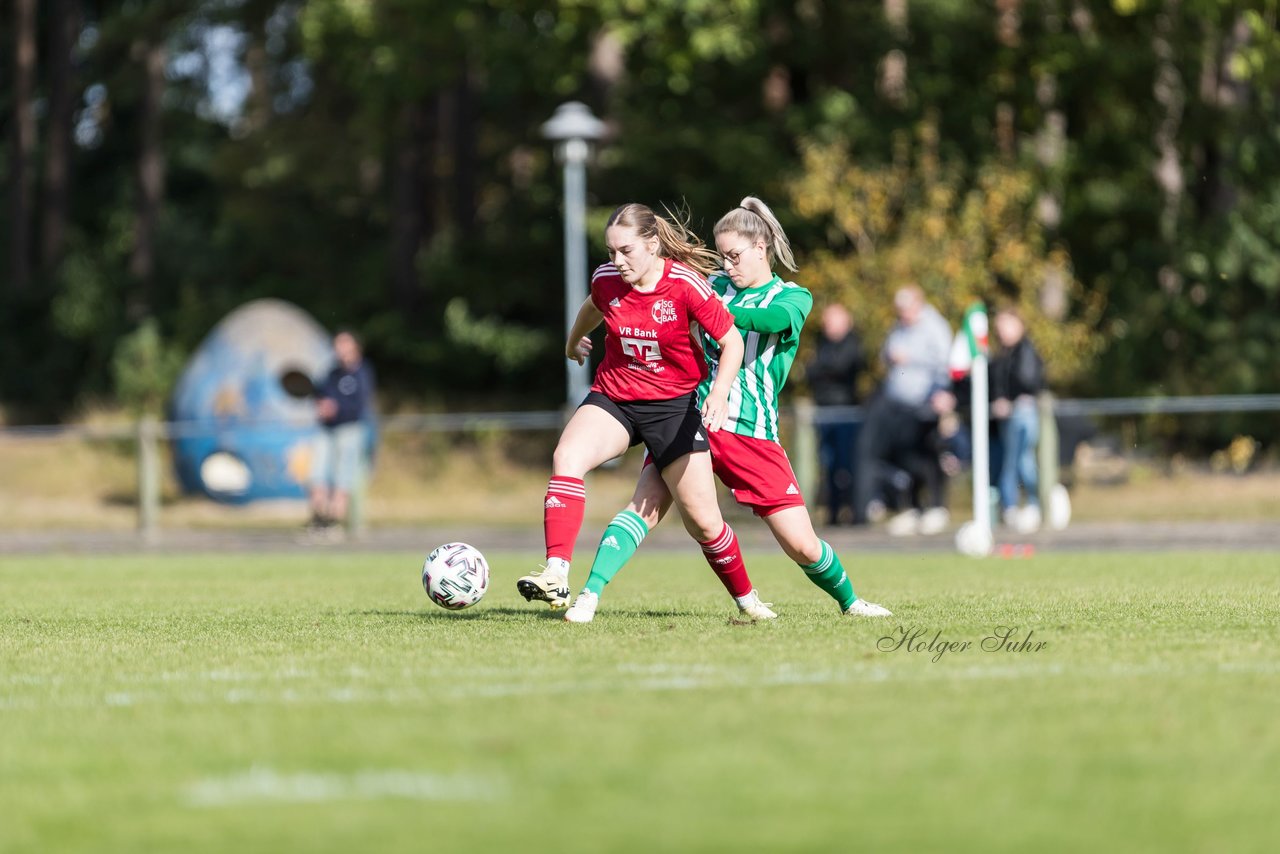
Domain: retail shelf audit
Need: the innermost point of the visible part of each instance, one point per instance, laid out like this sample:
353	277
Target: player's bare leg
591	437
793	529
620	539
692	486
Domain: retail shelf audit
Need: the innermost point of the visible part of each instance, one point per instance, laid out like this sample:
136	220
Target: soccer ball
973	540
455	576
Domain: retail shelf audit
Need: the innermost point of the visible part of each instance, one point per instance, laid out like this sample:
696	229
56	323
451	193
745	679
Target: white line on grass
170	676
266	785
641	678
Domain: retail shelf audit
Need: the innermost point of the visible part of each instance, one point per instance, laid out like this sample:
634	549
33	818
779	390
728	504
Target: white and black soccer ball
455	576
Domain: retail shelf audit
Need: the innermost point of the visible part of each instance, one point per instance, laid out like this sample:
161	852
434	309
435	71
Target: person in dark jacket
344	406
832	375
1017	377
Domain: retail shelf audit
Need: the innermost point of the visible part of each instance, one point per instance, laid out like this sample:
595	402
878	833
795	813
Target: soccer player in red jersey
655	302
747	455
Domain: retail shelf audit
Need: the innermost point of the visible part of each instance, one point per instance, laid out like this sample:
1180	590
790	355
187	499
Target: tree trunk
1215	194
254	17
1170	94
464	154
891	79
23	144
63	33
411	191
1051	150
151	165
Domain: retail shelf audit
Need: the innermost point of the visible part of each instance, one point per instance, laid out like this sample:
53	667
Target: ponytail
755	221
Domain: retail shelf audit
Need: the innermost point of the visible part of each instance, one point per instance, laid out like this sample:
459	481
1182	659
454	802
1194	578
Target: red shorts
756	471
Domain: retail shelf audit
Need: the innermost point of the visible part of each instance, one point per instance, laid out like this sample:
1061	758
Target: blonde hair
675	240
755	221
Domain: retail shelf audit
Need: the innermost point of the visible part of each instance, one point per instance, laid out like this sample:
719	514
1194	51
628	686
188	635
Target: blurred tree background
1112	166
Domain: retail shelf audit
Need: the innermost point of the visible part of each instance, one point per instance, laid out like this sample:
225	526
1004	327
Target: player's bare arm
578	345
715	409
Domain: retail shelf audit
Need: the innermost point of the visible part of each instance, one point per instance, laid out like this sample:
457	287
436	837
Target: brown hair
675	240
755	221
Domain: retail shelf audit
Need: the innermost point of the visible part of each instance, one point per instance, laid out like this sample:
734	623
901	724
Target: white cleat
863	608
546	585
583	609
752	608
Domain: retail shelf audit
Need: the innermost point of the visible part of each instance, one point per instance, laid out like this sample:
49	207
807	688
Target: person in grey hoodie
895	441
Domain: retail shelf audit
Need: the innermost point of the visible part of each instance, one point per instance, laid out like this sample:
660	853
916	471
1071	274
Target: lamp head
573	120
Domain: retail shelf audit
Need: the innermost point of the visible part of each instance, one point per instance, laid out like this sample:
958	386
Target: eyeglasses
735	256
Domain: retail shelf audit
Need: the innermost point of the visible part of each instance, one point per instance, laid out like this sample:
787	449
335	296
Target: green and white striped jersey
770	317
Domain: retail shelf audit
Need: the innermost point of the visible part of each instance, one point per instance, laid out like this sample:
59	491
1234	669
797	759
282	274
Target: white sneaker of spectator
905	524
1027	520
935	520
1059	510
876	511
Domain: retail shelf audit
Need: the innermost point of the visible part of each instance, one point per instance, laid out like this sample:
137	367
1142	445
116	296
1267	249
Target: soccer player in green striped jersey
746	453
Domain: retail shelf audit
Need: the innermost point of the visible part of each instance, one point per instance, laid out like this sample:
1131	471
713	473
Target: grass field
319	702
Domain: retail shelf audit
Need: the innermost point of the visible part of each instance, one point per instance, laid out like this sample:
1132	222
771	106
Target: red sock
725	558
562	515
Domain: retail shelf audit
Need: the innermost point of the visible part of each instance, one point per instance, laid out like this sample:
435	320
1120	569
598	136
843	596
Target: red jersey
652	349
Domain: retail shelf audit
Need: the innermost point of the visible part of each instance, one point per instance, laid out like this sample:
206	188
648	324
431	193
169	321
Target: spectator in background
833	374
1017	376
344	405
899	436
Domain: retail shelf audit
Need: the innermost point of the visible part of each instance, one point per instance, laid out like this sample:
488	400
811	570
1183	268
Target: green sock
828	573
617	544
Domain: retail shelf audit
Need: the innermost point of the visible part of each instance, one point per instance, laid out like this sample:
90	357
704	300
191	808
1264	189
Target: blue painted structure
230	401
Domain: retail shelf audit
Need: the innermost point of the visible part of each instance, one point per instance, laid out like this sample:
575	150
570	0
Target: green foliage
507	345
922	219
76	309
145	368
300	193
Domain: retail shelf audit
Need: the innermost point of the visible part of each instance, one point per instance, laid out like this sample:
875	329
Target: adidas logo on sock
614	302
791	490
552	501
721	561
611	541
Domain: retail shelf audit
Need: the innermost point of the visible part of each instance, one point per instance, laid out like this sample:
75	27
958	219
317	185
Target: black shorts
669	428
